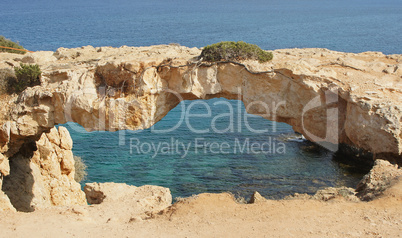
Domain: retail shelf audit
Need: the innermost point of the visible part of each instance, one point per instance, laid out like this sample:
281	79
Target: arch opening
214	146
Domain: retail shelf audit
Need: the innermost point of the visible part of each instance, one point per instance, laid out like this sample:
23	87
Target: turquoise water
344	25
219	157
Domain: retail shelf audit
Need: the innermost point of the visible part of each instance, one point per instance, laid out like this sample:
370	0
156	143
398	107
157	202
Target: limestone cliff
330	97
42	174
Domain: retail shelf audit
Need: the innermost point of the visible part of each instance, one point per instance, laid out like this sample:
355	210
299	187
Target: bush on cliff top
8	43
24	76
230	50
27	75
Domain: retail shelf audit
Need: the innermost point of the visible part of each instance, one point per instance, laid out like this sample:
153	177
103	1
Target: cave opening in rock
214	146
18	185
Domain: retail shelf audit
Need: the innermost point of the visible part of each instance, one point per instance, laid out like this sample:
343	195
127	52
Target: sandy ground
218	215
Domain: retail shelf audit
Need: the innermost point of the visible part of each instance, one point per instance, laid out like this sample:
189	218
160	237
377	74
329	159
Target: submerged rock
327	194
380	178
345	193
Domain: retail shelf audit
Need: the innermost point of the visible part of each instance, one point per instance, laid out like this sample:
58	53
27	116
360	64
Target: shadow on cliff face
19	184
354	161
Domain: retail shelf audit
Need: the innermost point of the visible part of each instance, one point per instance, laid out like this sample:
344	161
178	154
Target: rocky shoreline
112	89
330	97
123	210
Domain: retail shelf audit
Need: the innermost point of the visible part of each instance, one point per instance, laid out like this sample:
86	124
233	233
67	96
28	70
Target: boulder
256	198
122	201
381	177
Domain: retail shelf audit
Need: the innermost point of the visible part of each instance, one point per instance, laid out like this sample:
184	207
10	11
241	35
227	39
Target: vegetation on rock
27	75
80	169
8	43
230	50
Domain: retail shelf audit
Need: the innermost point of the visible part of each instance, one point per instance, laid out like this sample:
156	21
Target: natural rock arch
330	97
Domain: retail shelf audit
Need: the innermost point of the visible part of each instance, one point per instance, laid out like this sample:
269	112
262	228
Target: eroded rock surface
328	194
330	97
382	176
43	174
133	202
5	204
133	88
256	198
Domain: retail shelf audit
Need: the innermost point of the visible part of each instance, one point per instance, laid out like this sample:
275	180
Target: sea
212	145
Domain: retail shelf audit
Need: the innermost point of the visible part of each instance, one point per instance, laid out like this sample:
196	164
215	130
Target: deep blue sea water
343	25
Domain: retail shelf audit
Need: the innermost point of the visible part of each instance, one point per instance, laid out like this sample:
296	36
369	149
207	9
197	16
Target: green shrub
80	169
8	43
27	75
230	50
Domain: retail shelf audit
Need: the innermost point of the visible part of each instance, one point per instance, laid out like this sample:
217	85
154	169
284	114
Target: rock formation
330	97
5	204
256	198
133	201
382	176
44	176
